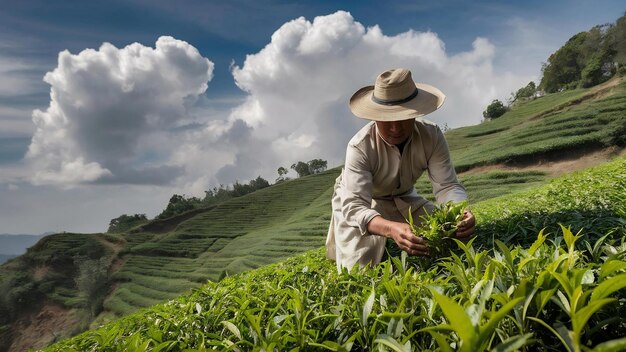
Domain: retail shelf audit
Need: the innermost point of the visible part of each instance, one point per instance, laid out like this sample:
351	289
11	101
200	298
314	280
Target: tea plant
439	226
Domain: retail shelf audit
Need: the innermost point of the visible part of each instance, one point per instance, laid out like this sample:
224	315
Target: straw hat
395	97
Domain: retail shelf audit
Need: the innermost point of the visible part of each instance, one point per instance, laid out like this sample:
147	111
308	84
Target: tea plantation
102	277
547	271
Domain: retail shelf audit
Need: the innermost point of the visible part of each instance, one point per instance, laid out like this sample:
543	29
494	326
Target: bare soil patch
42	327
117	264
555	168
39	272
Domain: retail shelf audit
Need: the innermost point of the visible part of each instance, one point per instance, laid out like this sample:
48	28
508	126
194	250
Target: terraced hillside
554	126
237	235
99	277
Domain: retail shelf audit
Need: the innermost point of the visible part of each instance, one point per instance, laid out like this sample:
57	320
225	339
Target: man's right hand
401	233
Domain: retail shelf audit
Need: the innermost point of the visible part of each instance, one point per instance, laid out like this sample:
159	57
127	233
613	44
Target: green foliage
592	201
301	168
563	68
91	282
546	127
281	174
525	92
311	167
253	230
595	71
125	222
17	290
587	58
438	227
494	110
305	304
616	44
180	204
515	287
243	189
317	165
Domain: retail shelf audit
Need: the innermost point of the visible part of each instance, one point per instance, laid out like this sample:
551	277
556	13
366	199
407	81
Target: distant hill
14	245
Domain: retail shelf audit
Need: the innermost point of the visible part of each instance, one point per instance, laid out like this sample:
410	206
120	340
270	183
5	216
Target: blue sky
256	89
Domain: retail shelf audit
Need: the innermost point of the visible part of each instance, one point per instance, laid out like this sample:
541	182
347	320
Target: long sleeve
446	186
356	200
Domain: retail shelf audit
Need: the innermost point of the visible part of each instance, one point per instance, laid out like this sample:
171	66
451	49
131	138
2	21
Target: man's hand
407	241
401	233
466	227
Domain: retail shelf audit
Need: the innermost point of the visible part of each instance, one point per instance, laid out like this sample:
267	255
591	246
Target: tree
495	110
281	175
179	204
595	72
317	165
311	167
125	222
216	195
525	92
301	168
615	43
240	189
259	183
587	58
563	69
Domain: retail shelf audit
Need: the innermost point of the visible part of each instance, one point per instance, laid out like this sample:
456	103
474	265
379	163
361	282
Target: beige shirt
378	180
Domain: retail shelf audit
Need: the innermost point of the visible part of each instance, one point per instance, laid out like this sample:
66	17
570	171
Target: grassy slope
303	301
252	231
292	217
549	126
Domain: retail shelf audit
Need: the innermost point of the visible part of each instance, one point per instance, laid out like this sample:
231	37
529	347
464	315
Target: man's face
395	132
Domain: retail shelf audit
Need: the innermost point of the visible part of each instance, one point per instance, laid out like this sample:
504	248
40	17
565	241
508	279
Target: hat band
395	102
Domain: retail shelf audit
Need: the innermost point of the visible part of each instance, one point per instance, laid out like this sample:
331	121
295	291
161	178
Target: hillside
89	279
493	295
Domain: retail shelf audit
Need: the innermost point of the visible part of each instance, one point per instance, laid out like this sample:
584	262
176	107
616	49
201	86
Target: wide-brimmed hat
395	97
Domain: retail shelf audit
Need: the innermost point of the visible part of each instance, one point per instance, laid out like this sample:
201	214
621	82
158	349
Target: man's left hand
465	228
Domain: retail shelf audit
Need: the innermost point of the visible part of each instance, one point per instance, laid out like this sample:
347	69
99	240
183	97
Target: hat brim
427	100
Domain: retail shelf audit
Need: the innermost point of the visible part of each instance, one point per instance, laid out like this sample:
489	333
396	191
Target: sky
111	107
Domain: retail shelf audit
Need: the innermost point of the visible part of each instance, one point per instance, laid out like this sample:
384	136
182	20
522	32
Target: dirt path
557	167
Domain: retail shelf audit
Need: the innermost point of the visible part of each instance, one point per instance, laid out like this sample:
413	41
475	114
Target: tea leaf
611	266
391	343
232	328
616	345
459	321
609	286
514	343
367	307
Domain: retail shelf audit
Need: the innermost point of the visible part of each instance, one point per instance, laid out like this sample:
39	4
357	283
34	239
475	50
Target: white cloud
120	115
112	111
299	84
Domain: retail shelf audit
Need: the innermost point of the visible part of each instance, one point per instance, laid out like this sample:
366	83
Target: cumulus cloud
299	85
112	112
123	115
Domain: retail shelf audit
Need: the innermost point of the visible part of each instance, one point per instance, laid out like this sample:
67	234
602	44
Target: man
383	160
